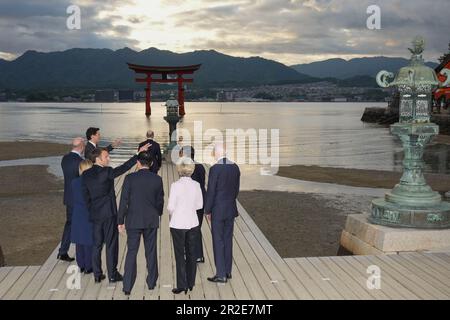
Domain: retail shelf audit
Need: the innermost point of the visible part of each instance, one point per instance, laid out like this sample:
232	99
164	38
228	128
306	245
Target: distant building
126	95
224	96
139	95
105	96
3	97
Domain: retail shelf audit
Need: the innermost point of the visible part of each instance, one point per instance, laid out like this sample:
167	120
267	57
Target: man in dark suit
154	150
141	205
221	210
199	176
100	197
69	164
93	137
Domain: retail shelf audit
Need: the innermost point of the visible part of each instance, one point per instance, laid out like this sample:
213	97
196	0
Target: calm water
324	134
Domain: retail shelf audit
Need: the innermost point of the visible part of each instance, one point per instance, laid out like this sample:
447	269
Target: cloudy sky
289	31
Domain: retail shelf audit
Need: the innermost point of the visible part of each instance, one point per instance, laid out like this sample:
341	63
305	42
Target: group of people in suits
93	219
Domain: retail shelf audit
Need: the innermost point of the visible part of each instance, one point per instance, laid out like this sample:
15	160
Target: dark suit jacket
90	147
70	166
142	200
199	176
155	152
223	189
98	190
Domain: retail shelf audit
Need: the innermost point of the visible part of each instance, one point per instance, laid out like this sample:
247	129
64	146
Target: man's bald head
78	144
150	134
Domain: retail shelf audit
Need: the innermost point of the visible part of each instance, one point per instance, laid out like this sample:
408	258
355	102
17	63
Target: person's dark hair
145	159
187	151
90	132
96	153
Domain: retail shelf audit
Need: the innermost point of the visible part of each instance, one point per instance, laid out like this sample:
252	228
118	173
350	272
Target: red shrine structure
164	75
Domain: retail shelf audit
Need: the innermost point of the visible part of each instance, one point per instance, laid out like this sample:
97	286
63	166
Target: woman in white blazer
185	198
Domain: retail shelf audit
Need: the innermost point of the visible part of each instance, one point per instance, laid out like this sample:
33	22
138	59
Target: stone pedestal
363	238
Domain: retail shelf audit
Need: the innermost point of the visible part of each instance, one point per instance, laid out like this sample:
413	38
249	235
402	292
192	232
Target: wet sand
358	177
31	149
302	224
31	210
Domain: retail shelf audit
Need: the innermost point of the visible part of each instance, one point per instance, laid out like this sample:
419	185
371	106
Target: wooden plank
318	279
436	260
17	288
11	278
314	290
339	284
416	278
357	272
41	276
401	279
358	288
390	284
426	272
4	272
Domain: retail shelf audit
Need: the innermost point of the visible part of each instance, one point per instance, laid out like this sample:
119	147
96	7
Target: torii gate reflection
164	72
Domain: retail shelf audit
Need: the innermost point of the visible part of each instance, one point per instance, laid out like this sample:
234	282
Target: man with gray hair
154	151
221	210
69	164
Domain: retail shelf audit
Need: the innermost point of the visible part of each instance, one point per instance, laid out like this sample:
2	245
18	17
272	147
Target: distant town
324	91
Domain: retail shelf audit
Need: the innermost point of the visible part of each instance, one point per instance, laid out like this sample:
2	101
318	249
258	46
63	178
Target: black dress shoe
127	293
190	288
82	270
88	271
179	290
229	276
65	257
151	288
201	260
217	279
117	278
99	278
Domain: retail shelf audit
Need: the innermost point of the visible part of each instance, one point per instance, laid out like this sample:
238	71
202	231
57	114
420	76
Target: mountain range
344	69
105	68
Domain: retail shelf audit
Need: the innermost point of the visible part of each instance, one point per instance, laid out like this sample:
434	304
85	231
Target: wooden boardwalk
258	272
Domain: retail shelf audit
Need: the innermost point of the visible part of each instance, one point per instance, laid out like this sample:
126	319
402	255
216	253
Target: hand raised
144	148
116	143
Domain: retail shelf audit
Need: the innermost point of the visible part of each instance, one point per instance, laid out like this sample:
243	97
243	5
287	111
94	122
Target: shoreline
15	150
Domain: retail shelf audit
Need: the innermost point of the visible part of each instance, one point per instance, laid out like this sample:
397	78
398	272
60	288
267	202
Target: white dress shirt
185	198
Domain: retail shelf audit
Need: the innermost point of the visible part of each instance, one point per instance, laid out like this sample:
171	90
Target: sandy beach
32	214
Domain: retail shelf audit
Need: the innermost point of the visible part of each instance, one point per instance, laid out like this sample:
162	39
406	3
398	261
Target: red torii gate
164	72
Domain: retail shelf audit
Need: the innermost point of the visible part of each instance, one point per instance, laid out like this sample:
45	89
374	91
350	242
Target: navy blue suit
199	176
90	148
155	152
141	205
100	197
82	230
70	166
223	189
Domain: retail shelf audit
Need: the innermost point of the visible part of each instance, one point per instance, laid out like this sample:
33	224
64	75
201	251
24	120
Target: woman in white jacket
185	198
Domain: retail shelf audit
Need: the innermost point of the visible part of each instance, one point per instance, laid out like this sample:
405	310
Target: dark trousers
105	232
199	245
222	234
151	256
184	242
65	240
84	256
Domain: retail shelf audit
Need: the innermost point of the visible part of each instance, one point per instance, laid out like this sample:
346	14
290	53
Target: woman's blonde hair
185	167
84	165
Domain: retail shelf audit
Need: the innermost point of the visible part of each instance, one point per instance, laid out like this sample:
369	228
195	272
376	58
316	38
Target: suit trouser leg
80	256
191	257
65	239
99	239
151	255
179	240
112	245
218	229
87	249
133	242
228	240
199	245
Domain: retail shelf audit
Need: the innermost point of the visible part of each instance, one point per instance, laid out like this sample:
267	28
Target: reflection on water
324	134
